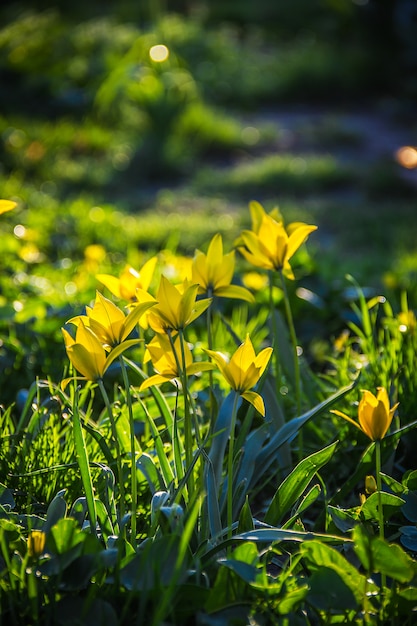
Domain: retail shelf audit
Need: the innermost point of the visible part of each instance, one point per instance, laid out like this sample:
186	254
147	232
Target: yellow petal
235	291
257	213
111	282
134	316
156	379
7	205
256	400
298	237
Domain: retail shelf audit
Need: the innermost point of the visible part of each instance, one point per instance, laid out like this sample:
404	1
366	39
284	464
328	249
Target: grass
182	503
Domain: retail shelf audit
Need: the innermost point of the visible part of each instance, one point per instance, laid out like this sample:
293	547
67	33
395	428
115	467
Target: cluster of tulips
105	332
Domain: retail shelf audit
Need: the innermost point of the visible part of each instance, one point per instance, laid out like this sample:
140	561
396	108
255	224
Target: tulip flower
36	543
175	306
130	280
269	244
109	323
214	272
374	414
243	370
87	353
168	361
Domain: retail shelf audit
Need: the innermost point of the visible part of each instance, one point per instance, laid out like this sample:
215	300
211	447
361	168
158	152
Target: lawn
207	315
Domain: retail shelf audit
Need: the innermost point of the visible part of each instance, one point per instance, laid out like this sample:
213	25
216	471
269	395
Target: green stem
275	333
188	432
133	477
293	337
210	347
380	508
230	467
297	378
116	445
187	418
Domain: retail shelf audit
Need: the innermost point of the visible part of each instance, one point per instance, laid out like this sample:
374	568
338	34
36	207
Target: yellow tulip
269	244
87	354
129	280
36	543
109	323
244	370
167	363
374	414
175	306
214	272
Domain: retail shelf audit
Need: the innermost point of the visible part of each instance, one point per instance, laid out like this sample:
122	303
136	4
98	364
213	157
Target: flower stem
133	477
230	467
274	332
380	508
297	378
116	445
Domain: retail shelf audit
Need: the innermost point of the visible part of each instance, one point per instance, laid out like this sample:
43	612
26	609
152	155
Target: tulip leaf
290	430
295	483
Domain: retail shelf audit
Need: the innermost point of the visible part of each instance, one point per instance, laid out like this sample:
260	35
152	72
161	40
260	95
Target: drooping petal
256	400
156	379
235	291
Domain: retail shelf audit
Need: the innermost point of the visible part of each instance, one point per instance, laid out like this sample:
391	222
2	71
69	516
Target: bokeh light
159	53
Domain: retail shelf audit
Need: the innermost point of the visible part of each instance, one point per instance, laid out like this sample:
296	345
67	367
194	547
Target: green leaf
294	485
319	555
245	518
289	431
329	591
390	505
376	555
56	510
307	501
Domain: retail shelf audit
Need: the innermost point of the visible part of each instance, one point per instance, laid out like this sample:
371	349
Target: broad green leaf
390	505
56	510
376	555
294	485
318	555
329	591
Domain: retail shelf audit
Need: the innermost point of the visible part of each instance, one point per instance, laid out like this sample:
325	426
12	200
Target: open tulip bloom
214	272
374	414
176	306
87	353
243	370
109	323
130	280
269	244
168	363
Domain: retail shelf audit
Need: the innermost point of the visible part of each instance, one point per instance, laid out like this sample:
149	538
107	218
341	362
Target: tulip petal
255	400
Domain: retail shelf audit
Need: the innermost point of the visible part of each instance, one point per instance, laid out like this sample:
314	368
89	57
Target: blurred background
134	127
